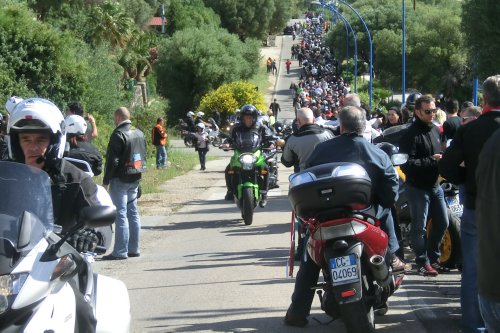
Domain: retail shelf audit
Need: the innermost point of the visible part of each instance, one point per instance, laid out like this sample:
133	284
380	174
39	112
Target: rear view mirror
97	216
399	159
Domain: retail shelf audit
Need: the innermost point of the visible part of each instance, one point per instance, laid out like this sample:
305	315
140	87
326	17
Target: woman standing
201	146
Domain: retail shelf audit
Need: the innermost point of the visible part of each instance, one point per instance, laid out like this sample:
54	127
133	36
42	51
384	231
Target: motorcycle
345	240
188	137
245	167
272	163
37	267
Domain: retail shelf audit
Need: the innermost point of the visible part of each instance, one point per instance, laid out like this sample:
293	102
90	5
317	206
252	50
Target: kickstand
321	323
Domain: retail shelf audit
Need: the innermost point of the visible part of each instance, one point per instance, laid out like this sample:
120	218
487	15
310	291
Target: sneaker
297	321
439	268
427	270
397	265
229	196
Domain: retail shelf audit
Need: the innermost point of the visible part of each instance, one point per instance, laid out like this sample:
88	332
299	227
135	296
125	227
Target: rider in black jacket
246	136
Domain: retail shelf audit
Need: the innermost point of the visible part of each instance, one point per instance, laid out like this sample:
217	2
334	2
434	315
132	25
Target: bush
231	96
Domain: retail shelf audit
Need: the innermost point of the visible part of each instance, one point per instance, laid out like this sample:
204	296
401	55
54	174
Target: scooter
345	240
39	271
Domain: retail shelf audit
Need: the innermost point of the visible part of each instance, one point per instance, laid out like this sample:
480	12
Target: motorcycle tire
357	318
217	141
247	205
450	248
188	141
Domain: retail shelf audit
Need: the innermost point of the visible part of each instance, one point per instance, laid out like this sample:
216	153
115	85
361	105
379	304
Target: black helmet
412	98
388	148
249	109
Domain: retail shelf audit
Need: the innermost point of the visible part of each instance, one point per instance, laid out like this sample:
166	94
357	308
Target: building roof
156	21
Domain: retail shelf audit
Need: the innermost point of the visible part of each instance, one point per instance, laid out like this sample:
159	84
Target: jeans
471	317
491	314
161	156
421	203
387	225
202	152
128	224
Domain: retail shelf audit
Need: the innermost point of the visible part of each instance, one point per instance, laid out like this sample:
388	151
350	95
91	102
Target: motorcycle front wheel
450	247
247	205
217	141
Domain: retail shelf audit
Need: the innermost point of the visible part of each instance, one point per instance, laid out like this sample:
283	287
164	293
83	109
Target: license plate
454	205
344	269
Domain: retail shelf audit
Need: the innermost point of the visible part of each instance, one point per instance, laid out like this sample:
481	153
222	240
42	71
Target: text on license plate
344	269
454	205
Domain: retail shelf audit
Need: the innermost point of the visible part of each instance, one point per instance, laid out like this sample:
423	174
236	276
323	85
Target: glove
84	240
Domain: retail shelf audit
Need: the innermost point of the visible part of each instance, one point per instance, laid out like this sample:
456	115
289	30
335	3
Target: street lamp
348	25
334	3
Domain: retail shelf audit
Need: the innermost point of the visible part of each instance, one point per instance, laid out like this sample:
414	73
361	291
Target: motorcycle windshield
247	141
26	214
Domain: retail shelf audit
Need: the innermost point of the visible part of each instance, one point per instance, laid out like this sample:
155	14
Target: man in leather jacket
248	135
350	146
125	162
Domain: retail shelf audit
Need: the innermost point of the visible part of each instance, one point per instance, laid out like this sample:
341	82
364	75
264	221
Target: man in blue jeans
125	162
458	166
422	142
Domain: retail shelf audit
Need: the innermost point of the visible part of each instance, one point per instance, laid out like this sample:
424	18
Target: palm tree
111	24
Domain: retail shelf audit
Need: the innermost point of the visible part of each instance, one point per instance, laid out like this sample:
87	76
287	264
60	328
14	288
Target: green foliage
480	26
140	11
231	96
194	61
182	14
36	60
252	18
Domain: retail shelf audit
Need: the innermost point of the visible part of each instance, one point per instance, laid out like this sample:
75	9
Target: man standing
275	107
159	138
421	141
488	218
459	166
299	147
288	63
348	147
452	122
125	162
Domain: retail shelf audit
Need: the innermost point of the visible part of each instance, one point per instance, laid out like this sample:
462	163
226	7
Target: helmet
75	125
249	109
34	115
388	148
201	125
237	111
11	103
190	114
412	98
200	114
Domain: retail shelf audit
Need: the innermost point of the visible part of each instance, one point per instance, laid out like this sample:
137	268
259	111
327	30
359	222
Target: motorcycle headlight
10	285
247	161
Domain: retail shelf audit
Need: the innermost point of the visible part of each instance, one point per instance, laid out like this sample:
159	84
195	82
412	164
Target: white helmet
11	103
34	115
200	114
190	114
75	124
201	125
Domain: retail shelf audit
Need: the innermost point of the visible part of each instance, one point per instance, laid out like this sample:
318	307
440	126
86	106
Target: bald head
352	119
305	116
121	114
351	100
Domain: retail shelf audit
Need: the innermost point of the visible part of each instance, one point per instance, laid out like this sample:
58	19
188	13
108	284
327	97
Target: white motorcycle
37	267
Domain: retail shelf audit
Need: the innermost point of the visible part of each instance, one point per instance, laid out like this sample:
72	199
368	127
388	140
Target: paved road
202	270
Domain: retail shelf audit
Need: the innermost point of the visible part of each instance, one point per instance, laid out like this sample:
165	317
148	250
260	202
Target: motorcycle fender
55	314
249	184
355	288
112	305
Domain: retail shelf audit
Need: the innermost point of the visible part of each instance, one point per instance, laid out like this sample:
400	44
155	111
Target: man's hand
84	240
437	157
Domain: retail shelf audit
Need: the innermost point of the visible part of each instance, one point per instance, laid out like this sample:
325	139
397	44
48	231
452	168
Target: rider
36	138
190	122
76	127
248	134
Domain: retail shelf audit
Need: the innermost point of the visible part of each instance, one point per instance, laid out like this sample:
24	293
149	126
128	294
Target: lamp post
403	51
371	47
347	25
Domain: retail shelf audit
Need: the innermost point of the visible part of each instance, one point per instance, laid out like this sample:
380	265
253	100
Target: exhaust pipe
380	270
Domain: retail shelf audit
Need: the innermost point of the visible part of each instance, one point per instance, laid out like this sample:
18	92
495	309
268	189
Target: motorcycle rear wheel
357	318
247	205
188	141
217	141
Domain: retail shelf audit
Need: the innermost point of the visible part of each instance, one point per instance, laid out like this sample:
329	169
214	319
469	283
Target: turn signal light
263	172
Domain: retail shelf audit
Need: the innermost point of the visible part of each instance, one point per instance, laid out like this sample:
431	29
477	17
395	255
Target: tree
183	14
251	18
194	61
481	28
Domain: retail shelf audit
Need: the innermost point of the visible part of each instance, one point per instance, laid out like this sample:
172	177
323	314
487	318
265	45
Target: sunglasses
429	111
